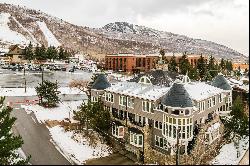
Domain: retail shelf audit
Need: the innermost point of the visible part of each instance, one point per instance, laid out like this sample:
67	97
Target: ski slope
51	39
7	35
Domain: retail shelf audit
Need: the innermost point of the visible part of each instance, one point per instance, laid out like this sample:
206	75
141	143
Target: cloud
222	21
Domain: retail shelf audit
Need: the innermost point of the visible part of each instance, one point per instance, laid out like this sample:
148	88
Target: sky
222	21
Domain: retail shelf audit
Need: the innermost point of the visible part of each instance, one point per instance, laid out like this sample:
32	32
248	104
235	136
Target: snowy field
228	153
64	110
80	150
32	91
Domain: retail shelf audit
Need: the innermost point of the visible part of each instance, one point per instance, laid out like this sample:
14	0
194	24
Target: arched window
145	80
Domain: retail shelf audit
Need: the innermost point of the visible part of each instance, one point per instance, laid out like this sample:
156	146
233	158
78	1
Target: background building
130	62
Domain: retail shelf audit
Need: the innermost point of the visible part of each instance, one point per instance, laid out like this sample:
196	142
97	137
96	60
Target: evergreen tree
93	115
237	123
212	69
184	65
84	115
172	66
48	91
102	119
43	52
50	53
61	53
201	66
8	142
37	52
222	65
29	52
193	74
229	66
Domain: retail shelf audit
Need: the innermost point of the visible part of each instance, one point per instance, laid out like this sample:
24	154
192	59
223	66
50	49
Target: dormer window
145	80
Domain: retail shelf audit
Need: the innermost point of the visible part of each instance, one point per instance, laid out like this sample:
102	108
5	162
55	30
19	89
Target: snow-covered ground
64	110
51	39
80	150
119	77
8	35
21	154
228	153
32	91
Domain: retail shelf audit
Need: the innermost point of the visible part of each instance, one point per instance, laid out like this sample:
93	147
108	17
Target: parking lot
9	78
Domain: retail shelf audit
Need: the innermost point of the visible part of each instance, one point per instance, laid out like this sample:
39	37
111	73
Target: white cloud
225	21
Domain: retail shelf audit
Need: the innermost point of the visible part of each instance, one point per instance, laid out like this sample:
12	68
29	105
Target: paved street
36	138
114	159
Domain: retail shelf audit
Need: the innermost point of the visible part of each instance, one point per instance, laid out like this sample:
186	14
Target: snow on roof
148	92
200	90
51	39
213	127
234	81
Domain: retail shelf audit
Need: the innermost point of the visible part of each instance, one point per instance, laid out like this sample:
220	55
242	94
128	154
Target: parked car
63	68
71	70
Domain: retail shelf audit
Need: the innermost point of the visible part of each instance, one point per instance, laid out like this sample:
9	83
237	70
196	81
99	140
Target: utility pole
25	90
42	74
177	148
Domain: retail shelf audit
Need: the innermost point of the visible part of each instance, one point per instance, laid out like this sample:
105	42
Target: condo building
149	116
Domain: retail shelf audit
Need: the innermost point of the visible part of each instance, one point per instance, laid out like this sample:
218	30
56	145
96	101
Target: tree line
43	53
204	69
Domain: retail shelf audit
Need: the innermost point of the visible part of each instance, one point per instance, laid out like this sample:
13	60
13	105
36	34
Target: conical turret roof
221	82
177	96
101	82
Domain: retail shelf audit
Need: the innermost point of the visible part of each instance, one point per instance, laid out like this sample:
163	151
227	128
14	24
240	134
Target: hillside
21	25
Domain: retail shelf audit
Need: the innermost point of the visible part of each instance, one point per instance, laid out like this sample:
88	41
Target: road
36	137
245	159
113	159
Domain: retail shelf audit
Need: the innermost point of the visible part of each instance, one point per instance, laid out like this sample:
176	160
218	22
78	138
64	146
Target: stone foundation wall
201	153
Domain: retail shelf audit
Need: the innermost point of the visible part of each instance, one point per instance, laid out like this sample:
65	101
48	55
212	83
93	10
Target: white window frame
134	139
122	100
109	97
145	80
94	99
116	132
145	108
131	102
220	98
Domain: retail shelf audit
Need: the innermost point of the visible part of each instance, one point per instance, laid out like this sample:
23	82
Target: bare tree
82	85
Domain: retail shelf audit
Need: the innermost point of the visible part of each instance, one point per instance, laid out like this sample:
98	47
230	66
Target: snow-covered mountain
167	40
21	25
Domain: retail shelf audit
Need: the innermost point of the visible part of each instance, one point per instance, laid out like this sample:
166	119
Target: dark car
63	68
71	70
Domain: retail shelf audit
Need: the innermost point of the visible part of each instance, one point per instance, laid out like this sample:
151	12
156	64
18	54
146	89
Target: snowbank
32	92
213	127
64	110
79	151
51	39
228	153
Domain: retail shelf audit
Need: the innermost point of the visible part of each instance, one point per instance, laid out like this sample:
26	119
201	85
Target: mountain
167	40
19	25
